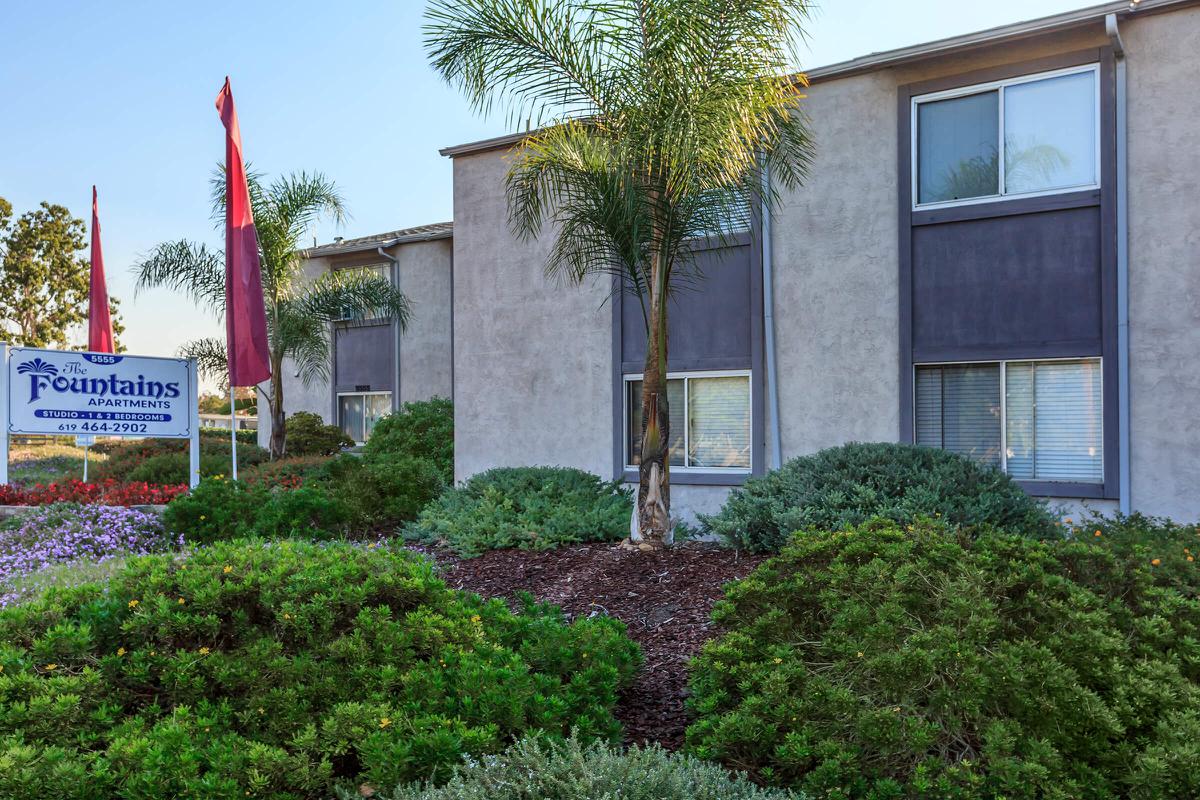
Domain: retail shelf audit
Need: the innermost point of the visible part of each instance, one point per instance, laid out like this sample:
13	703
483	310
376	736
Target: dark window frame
1104	197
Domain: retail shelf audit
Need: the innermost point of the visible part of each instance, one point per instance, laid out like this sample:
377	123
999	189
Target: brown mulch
665	598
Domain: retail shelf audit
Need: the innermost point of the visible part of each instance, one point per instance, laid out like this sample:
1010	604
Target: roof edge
325	250
888	58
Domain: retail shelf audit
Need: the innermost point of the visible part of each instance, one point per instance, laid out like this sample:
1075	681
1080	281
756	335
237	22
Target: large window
369	270
358	412
1037	420
709	416
1027	136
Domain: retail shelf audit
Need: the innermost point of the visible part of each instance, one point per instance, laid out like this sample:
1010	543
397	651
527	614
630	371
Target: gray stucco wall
1164	263
426	351
425	347
532	359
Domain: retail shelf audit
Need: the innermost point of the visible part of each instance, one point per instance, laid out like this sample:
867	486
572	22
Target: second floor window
1026	136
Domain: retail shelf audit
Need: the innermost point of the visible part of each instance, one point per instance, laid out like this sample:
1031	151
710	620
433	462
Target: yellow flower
1191	558
153	653
133	603
120	651
51	667
778	660
204	651
262	710
475	618
1155	561
287	616
1069	521
860	655
1097	533
181	601
384	722
228	569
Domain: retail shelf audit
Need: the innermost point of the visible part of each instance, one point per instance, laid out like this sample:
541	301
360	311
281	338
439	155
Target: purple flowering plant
63	533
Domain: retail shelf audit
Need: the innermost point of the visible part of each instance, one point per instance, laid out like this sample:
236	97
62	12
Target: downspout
395	330
1122	193
768	282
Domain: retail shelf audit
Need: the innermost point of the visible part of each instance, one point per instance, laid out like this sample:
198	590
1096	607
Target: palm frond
212	361
185	267
353	294
304	339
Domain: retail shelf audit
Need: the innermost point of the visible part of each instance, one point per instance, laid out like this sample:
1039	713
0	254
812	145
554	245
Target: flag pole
233	428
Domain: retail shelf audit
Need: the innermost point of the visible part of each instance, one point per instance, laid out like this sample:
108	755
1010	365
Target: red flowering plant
109	492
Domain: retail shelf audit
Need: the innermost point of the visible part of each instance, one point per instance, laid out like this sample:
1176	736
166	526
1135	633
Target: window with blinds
358	412
1037	420
710	418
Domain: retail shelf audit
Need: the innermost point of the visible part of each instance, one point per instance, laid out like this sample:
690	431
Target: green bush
243	436
280	669
308	435
534	769
885	662
292	470
422	430
532	508
167	460
848	485
388	489
219	510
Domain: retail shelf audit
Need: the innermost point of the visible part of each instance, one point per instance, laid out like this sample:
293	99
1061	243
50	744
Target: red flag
245	314
100	335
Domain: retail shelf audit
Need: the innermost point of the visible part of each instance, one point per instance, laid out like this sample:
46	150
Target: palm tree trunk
654	484
278	423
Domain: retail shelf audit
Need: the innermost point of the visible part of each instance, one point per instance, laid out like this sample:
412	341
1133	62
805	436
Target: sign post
4	415
68	393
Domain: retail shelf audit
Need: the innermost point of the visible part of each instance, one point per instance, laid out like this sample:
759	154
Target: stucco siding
532	359
1164	263
837	275
426	344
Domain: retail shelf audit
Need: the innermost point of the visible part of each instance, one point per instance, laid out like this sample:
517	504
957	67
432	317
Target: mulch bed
665	599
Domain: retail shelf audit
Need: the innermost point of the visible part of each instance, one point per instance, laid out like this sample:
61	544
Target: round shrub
532	508
534	769
887	662
308	435
423	429
389	489
281	669
847	485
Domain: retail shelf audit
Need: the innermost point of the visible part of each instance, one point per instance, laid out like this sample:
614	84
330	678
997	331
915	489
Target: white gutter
1124	478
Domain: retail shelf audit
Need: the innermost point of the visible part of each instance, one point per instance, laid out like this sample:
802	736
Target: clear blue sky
120	94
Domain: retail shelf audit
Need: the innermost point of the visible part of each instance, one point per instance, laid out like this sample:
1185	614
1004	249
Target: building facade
997	252
374	366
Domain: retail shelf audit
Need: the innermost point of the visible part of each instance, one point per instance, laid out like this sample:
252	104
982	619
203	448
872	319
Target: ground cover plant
107	492
848	485
69	533
536	769
533	508
893	661
281	669
47	461
423	430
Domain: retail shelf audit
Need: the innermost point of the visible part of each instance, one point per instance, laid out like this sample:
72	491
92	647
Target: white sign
60	392
85	439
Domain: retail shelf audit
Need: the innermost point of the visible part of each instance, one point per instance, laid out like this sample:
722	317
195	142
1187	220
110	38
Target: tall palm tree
300	314
655	119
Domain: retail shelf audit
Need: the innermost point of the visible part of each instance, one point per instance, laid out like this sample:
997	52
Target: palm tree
655	120
300	314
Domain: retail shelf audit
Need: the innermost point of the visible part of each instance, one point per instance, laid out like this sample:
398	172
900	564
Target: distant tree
44	276
300	314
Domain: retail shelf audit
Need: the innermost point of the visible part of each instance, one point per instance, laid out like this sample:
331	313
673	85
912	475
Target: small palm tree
300	314
655	119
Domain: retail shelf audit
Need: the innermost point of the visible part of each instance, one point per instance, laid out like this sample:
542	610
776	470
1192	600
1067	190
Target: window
1028	136
367	271
709	418
358	413
1036	420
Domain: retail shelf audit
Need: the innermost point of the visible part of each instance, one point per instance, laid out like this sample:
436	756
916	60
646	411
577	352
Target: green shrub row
893	661
279	670
166	461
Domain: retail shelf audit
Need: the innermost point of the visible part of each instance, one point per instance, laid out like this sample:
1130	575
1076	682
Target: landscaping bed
664	598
